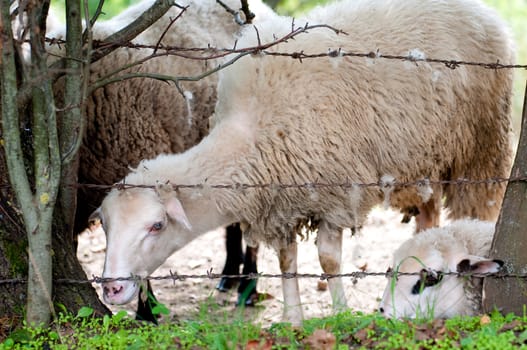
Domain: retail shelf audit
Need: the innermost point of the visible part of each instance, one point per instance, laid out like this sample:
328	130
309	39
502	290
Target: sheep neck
214	161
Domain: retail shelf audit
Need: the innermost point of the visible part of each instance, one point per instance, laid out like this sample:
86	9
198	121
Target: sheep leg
247	294
233	244
329	243
290	289
429	214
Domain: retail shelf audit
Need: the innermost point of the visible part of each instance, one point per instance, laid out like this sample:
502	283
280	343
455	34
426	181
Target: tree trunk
30	159
510	240
14	262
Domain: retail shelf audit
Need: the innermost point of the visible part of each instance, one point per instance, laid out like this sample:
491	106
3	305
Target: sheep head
143	228
428	292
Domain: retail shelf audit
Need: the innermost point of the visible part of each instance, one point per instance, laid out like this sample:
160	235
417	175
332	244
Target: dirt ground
370	249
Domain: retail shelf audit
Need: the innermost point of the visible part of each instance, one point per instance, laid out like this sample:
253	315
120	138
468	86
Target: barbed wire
346	184
210	275
211	53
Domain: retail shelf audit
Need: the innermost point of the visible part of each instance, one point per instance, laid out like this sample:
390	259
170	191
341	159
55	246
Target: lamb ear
95	220
173	205
480	266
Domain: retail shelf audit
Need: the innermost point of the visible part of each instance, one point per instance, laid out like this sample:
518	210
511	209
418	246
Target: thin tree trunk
510	240
72	122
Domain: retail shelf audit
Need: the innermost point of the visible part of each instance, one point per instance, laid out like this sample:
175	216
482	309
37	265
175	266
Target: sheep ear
172	204
480	266
95	220
175	211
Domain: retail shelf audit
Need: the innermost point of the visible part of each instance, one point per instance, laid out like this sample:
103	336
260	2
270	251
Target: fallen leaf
364	267
320	340
262	344
511	326
484	320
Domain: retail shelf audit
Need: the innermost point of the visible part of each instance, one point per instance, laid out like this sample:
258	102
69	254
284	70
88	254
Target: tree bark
510	240
14	262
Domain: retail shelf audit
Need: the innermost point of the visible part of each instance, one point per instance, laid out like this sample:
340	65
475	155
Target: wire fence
210	275
346	184
211	53
232	55
383	185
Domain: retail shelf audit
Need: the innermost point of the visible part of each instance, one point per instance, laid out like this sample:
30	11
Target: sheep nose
111	289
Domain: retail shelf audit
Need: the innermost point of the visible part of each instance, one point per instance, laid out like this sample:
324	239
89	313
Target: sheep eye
156	227
427	279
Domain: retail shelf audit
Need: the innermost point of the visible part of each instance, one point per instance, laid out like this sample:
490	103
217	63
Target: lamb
463	247
140	118
363	121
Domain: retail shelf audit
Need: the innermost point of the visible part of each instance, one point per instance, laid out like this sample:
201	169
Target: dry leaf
320	340
511	326
485	319
262	344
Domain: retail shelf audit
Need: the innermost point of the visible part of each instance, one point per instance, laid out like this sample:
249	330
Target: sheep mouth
120	292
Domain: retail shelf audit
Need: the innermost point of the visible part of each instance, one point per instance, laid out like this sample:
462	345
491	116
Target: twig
156	11
234	13
172	21
216	54
249	16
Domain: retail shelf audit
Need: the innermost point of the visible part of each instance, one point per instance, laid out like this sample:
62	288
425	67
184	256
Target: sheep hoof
253	299
226	284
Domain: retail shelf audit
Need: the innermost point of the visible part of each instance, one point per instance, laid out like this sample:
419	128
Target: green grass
341	331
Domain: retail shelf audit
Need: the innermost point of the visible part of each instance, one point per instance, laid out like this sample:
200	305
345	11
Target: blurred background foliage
514	12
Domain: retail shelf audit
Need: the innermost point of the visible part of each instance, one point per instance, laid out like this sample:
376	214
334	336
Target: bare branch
156	11
216	53
92	21
235	14
172	21
167	78
149	17
249	16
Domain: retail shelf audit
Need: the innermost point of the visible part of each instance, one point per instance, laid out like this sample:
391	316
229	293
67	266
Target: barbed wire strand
346	184
209	275
211	53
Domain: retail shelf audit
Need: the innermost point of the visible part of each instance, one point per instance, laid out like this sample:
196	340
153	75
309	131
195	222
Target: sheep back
355	119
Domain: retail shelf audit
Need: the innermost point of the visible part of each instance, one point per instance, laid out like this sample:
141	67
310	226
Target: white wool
387	183
425	190
416	55
440	249
188	99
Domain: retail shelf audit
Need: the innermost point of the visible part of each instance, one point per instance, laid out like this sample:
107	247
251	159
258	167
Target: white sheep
333	120
460	247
